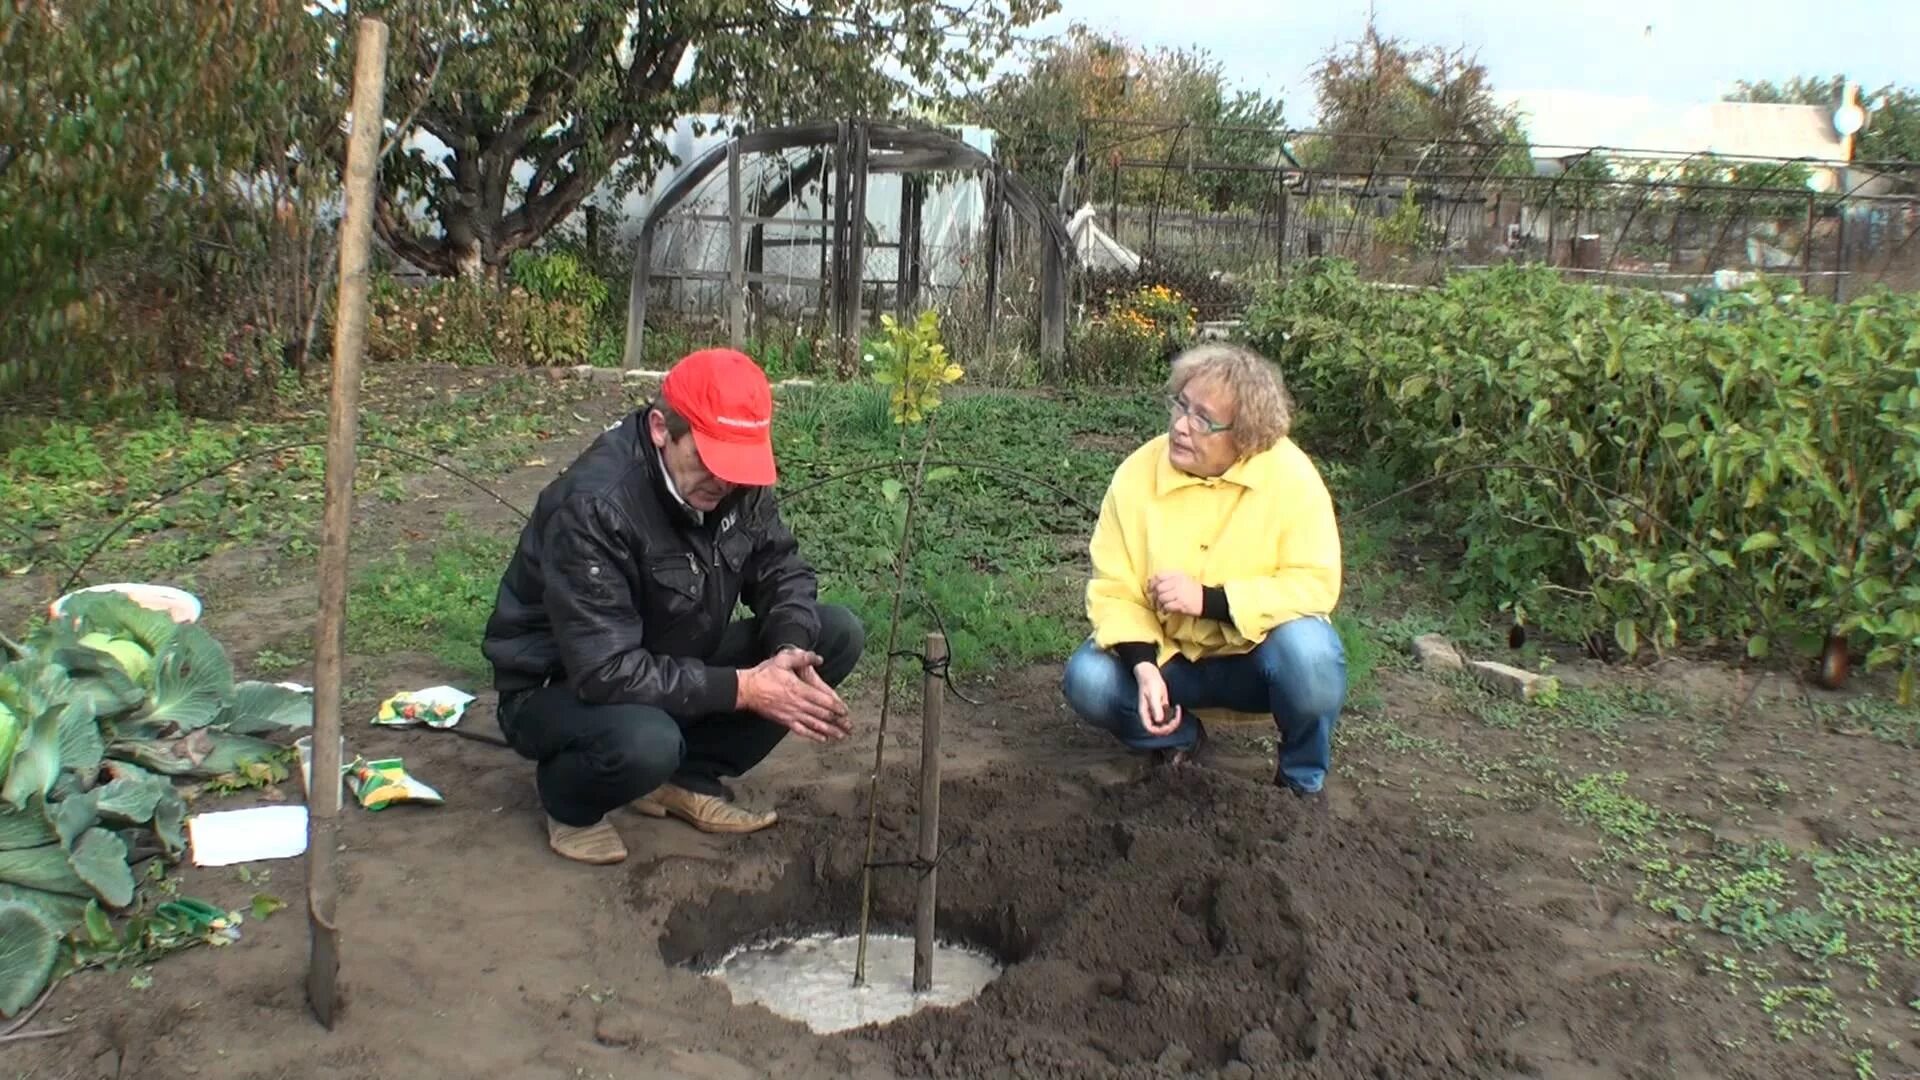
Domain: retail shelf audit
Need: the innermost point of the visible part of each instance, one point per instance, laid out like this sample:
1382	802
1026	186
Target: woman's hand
1175	593
1155	715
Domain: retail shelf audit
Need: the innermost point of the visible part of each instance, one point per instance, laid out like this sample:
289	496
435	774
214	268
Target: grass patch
64	482
1810	931
1884	720
1608	713
1000	559
437	604
1630	824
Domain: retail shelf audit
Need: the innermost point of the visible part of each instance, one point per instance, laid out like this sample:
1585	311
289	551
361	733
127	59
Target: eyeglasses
1208	426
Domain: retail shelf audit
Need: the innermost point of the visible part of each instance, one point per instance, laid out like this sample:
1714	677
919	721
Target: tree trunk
478	234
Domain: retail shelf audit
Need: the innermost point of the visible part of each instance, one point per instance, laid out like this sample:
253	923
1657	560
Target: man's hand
1155	716
787	690
1175	593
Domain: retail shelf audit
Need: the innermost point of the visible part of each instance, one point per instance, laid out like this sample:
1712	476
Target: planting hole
809	978
791	945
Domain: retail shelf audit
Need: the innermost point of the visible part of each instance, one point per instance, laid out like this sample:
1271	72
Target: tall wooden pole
995	193
842	182
926	902
902	291
736	254
856	245
349	341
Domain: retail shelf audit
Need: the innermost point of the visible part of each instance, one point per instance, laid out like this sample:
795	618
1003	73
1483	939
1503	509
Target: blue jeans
1299	674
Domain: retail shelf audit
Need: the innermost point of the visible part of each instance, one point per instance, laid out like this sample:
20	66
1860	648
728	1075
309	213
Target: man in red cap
619	667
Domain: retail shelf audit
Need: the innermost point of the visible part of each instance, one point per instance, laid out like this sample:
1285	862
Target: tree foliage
535	105
146	146
1893	112
1181	96
1387	106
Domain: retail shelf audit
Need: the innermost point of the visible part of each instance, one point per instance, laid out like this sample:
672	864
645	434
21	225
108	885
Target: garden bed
1499	891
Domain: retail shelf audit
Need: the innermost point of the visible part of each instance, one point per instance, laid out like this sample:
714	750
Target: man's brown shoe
597	843
708	813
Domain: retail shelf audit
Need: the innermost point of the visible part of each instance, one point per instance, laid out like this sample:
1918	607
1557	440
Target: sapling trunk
886	702
926	904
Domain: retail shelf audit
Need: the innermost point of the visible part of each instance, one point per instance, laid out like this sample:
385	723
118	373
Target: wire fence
1413	210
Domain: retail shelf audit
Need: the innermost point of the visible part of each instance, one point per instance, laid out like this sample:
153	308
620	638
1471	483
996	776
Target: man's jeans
595	758
1299	674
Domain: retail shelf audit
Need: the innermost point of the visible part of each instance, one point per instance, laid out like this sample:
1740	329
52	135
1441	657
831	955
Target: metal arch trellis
851	146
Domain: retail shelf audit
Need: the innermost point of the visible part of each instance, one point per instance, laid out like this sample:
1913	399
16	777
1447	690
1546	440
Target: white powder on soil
810	979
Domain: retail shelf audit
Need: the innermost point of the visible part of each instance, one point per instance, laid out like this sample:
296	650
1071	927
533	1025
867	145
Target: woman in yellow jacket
1216	567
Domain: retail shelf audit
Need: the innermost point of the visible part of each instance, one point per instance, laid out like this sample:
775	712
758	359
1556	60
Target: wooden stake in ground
925	903
343	411
886	702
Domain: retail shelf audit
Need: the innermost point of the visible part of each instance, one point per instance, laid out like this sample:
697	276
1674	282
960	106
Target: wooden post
993	200
856	246
349	342
842	151
736	254
1053	303
825	301
925	904
1553	208
916	263
1806	252
1840	254
634	356
1280	230
901	303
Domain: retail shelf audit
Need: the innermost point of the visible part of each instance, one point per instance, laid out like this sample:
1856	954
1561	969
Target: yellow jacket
1264	531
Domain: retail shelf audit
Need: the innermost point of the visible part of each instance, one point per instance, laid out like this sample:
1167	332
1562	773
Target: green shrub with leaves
1132	337
1200	282
1750	477
560	276
97	709
475	323
911	361
150	183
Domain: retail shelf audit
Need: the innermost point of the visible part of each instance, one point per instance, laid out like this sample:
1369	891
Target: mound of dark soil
1183	924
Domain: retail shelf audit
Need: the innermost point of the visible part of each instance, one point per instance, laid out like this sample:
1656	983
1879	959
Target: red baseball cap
725	398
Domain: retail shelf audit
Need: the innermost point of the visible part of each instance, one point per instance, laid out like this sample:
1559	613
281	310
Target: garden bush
468	322
560	277
1131	337
1212	293
1749	476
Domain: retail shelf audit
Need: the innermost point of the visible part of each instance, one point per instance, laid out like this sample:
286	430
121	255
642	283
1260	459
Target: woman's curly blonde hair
1264	413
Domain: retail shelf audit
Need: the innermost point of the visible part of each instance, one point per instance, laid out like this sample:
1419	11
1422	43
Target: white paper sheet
238	836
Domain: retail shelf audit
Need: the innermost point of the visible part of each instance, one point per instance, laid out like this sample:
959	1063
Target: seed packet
436	707
381	783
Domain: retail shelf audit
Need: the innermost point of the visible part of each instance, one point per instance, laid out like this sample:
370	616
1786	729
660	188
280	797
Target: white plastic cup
305	745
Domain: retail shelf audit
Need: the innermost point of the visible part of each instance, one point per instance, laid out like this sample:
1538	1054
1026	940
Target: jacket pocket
735	547
675	583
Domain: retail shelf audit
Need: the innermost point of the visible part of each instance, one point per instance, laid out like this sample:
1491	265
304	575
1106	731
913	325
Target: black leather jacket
617	592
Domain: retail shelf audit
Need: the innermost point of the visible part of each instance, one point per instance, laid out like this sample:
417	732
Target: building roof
1562	123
